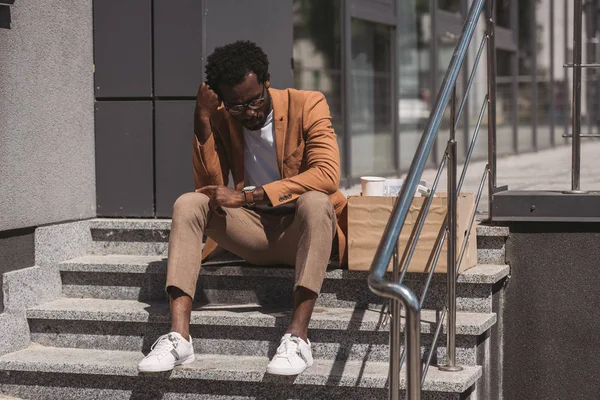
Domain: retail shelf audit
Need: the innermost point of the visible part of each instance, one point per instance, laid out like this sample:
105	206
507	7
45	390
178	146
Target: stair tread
371	374
137	264
251	315
165	224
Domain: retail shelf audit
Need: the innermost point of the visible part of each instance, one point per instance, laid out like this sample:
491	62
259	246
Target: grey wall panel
47	115
124	162
173	152
266	22
123	48
177	47
550	324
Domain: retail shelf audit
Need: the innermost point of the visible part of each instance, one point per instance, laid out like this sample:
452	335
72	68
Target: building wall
551	332
47	171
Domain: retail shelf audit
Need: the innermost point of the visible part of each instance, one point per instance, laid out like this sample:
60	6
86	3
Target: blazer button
281	199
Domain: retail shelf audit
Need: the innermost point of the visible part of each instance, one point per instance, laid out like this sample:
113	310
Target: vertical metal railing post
395	334
576	113
566	58
491	82
413	351
552	115
451	272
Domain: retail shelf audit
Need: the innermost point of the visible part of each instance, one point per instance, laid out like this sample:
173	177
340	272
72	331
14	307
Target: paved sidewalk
543	170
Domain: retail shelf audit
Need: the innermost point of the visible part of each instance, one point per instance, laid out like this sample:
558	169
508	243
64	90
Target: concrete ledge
546	206
29	287
493	230
14	332
129	224
56	243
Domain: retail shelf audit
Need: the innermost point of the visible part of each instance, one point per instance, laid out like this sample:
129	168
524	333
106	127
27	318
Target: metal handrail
395	290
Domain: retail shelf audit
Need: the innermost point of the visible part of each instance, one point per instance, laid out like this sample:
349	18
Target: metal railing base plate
448	368
576	191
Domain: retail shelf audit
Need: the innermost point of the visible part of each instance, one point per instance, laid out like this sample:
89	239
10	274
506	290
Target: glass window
503	13
505	101
414	76
544	93
450	5
371	98
527	65
317	54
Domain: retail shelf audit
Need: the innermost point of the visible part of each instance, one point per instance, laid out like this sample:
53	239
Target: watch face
249	188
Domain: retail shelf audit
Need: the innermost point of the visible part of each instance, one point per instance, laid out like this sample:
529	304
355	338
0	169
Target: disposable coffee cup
372	185
392	187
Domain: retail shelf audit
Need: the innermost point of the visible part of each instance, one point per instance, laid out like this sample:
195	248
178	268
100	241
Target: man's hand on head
207	103
223	196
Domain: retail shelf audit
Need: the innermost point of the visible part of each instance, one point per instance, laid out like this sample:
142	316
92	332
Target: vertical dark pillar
124	161
174	133
123	48
177	47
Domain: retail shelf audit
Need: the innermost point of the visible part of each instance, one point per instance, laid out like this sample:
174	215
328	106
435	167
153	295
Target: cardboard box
368	216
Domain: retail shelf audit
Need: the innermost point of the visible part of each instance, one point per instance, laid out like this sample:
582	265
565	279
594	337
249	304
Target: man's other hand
223	196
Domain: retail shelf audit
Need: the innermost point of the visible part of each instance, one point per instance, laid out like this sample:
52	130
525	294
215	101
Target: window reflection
503	13
317	53
416	73
371	98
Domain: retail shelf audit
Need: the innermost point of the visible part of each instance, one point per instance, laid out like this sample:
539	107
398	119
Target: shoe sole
187	360
287	371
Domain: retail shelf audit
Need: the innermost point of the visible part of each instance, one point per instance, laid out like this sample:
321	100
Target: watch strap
249	197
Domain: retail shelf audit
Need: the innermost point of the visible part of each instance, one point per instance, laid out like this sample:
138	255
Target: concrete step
151	237
250	330
57	373
128	277
491	241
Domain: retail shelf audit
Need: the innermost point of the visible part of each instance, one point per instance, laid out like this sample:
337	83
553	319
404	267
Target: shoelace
164	344
288	347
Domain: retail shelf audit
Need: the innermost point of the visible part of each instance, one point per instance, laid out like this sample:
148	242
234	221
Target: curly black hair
229	64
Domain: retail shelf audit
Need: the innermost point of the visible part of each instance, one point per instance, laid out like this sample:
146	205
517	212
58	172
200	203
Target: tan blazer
307	154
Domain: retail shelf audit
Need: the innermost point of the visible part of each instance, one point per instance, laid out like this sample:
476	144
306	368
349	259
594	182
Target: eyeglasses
253	104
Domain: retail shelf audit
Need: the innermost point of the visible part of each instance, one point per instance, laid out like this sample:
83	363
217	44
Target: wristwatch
249	195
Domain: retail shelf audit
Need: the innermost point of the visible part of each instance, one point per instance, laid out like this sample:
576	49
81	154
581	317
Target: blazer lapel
280	109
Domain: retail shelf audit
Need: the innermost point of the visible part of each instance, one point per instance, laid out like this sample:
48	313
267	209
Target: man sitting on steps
285	207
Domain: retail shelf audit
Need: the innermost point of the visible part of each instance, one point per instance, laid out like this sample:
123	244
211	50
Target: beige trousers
302	238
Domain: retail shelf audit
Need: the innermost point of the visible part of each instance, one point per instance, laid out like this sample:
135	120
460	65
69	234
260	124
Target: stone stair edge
370	374
248	315
115	263
165	224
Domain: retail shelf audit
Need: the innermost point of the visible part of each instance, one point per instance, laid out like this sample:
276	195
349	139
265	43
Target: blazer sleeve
211	166
321	156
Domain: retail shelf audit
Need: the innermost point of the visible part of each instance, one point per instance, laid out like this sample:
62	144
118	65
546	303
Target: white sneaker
292	358
168	351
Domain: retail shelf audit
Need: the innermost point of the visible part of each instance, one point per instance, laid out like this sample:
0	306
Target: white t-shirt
260	159
260	156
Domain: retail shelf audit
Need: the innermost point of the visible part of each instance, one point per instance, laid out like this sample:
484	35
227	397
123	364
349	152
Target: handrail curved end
395	291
